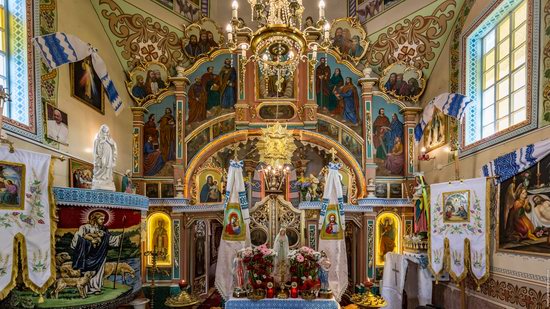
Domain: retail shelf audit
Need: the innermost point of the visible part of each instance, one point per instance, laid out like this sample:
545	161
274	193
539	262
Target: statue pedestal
103	185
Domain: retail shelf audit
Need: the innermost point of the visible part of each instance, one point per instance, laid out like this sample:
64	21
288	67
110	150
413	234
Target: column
367	84
181	83
410	147
137	148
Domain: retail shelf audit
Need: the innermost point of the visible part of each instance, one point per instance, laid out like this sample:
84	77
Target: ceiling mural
138	37
417	40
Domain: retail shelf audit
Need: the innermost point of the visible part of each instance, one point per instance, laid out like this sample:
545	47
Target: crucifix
235	148
395	271
333	153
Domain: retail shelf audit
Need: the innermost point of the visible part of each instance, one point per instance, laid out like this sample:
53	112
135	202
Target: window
500	52
3	47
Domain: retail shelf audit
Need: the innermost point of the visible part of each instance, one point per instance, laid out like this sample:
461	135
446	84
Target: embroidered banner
26	214
459	229
332	224
235	235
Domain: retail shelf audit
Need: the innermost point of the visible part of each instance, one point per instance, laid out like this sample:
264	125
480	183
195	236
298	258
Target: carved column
181	83
409	115
367	84
137	146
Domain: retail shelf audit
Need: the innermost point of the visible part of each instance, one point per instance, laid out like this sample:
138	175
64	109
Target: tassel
41	298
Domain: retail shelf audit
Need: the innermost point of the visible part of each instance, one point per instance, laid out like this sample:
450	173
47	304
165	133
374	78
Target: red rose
41	221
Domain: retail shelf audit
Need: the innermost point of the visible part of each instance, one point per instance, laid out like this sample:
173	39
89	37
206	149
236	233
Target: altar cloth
275	303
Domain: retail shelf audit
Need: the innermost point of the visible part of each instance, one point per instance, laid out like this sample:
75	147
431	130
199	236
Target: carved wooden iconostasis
189	122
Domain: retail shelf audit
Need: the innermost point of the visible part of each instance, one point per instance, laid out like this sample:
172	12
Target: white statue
367	71
280	245
105	155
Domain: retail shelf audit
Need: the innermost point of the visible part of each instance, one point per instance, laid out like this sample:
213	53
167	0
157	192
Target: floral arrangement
259	264
304	267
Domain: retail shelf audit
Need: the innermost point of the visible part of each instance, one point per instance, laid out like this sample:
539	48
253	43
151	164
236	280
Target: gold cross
235	148
333	153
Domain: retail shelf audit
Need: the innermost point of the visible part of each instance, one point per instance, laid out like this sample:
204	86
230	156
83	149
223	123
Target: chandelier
280	43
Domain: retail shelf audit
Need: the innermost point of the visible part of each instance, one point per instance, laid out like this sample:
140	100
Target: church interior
273	154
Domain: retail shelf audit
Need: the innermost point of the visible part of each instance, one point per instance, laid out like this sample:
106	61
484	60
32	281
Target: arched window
500	73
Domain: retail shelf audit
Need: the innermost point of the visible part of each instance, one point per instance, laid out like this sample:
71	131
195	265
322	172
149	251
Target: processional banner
459	229
236	234
332	225
26	219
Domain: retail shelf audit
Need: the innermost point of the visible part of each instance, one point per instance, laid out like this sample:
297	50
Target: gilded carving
413	40
135	150
141	38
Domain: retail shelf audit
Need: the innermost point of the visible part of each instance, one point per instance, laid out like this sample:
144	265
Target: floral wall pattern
48	24
454	52
138	37
545	114
417	39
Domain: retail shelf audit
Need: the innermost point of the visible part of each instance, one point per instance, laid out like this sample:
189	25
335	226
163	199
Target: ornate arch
304	136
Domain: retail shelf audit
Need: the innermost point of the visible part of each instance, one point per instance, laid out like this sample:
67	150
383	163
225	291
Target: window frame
35	128
472	68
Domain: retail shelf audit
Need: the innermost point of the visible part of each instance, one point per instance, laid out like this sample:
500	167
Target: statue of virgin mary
280	245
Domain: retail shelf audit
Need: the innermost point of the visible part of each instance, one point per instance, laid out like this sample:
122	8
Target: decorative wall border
176	249
94	198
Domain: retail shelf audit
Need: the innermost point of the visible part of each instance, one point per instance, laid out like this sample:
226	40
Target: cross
333	153
395	271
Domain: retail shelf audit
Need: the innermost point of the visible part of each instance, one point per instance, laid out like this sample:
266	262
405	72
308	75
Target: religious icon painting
215	237
396	190
332	226
12	186
456	206
388	231
258	237
233	224
349	39
167	190
436	131
328	129
57	125
167	3
189	9
201	38
209	186
152	190
293	238
147	82
86	85
402	81
80	174
524	211
159	238
99	247
381	190
388	137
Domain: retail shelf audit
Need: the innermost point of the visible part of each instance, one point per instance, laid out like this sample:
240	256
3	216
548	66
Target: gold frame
150	234
447	120
355	24
101	89
398	243
209	165
275	103
22	187
295	90
445	195
143	67
408	68
74	160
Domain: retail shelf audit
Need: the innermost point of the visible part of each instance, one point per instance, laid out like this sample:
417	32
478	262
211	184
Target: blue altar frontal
274	303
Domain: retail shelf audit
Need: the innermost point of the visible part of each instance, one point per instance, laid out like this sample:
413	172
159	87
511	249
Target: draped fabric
452	104
60	48
25	219
459	212
517	161
332	225
236	234
393	280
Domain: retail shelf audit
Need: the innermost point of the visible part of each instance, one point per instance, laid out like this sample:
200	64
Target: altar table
275	303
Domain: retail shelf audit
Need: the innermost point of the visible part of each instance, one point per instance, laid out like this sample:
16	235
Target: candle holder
283	293
183	299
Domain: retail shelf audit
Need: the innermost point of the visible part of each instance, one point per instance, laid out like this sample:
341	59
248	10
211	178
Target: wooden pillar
367	84
181	83
410	151
137	141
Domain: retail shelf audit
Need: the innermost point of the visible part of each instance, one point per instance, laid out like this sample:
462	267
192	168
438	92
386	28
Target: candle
235	6
321	9
327	29
229	31
270	290
294	290
243	52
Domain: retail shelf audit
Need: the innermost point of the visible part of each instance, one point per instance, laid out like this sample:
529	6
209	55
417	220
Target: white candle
229	31
321	9
327	29
243	52
235	7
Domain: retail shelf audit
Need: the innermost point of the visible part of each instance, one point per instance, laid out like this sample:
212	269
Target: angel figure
518	226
